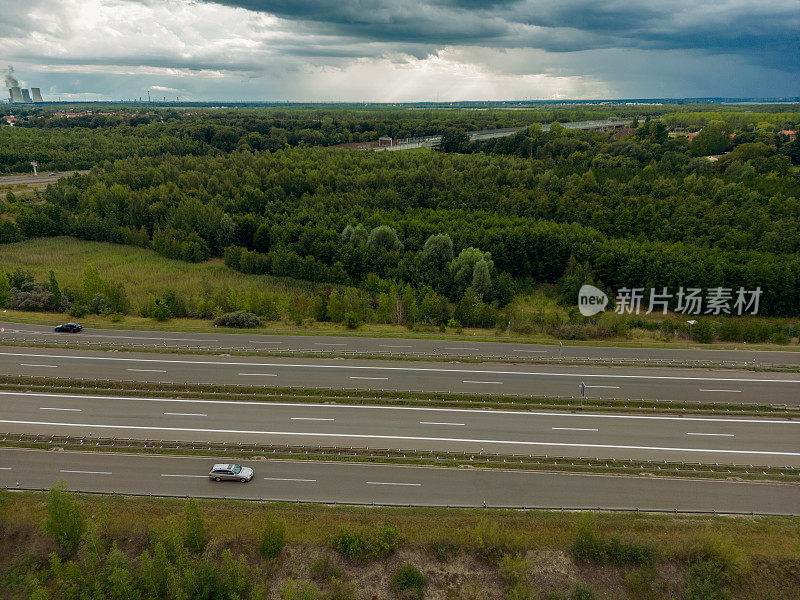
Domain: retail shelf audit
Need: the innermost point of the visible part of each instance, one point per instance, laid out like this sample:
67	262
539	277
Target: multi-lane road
709	439
466	378
388	484
404	346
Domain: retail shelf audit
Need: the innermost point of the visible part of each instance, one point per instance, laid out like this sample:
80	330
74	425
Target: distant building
26	96
792	135
36	95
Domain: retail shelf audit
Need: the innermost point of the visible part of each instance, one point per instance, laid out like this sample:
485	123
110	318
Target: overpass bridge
433	141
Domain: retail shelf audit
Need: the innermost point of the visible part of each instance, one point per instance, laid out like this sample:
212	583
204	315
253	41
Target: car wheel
217	479
243	480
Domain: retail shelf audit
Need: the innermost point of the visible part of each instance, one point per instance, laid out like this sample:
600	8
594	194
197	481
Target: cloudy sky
402	50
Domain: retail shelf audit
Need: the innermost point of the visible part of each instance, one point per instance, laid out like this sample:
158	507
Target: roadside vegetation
116	284
59	545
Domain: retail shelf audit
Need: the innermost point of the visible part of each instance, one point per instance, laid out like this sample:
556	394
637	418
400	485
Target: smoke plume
11	81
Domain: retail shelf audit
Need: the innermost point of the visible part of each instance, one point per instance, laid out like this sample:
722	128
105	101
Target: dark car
68	328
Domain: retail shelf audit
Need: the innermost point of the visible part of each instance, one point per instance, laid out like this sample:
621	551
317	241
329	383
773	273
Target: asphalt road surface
387	346
387	484
699	385
43	178
742	441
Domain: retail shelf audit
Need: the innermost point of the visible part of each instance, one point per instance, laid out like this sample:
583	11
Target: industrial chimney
36	95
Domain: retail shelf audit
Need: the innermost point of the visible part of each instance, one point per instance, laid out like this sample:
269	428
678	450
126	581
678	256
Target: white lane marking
392	346
733	420
729	420
260	342
733	391
713	434
257	374
55	408
5	468
328	344
410	369
482	382
289	479
572	429
87	472
610	387
147	370
32	365
171	475
309	419
186	414
457	348
134	337
391	483
440	423
376	378
396	437
534	351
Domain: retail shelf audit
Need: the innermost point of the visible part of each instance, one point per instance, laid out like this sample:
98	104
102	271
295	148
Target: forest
473	225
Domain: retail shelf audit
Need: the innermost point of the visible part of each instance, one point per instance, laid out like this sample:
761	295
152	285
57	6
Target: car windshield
236	469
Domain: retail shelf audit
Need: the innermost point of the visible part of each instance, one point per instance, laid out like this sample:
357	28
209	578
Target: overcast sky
403	50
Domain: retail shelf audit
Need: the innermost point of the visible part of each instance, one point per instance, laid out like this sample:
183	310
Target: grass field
765	549
142	271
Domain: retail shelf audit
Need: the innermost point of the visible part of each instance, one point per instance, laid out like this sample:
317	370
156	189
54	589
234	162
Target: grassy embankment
144	272
463	554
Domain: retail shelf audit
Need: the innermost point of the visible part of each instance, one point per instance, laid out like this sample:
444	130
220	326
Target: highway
700	385
403	346
742	441
387	484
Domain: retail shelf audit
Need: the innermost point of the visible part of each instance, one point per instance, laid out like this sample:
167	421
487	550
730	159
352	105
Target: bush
351	320
590	546
161	311
492	544
65	519
444	547
273	538
324	569
240	318
340	590
581	591
706	580
305	590
362	545
408	582
194	527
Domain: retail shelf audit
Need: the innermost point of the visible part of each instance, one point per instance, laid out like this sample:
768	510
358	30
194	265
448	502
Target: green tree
194	527
65	520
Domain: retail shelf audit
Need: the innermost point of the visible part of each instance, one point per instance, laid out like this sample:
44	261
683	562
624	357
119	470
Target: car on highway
68	328
230	472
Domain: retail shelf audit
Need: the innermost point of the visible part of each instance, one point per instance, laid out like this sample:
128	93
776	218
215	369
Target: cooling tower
26	96
36	95
15	94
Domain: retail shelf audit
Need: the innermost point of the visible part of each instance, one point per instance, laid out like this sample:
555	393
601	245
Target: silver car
223	472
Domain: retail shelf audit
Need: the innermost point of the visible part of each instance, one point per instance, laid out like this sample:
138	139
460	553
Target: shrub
492	544
340	590
362	545
65	519
706	580
161	311
273	538
581	591
240	318
78	310
194	527
324	569
590	546
304	590
513	569
351	320
444	547
408	582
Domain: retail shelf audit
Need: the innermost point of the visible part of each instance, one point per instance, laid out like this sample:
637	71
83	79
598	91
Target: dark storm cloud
767	33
